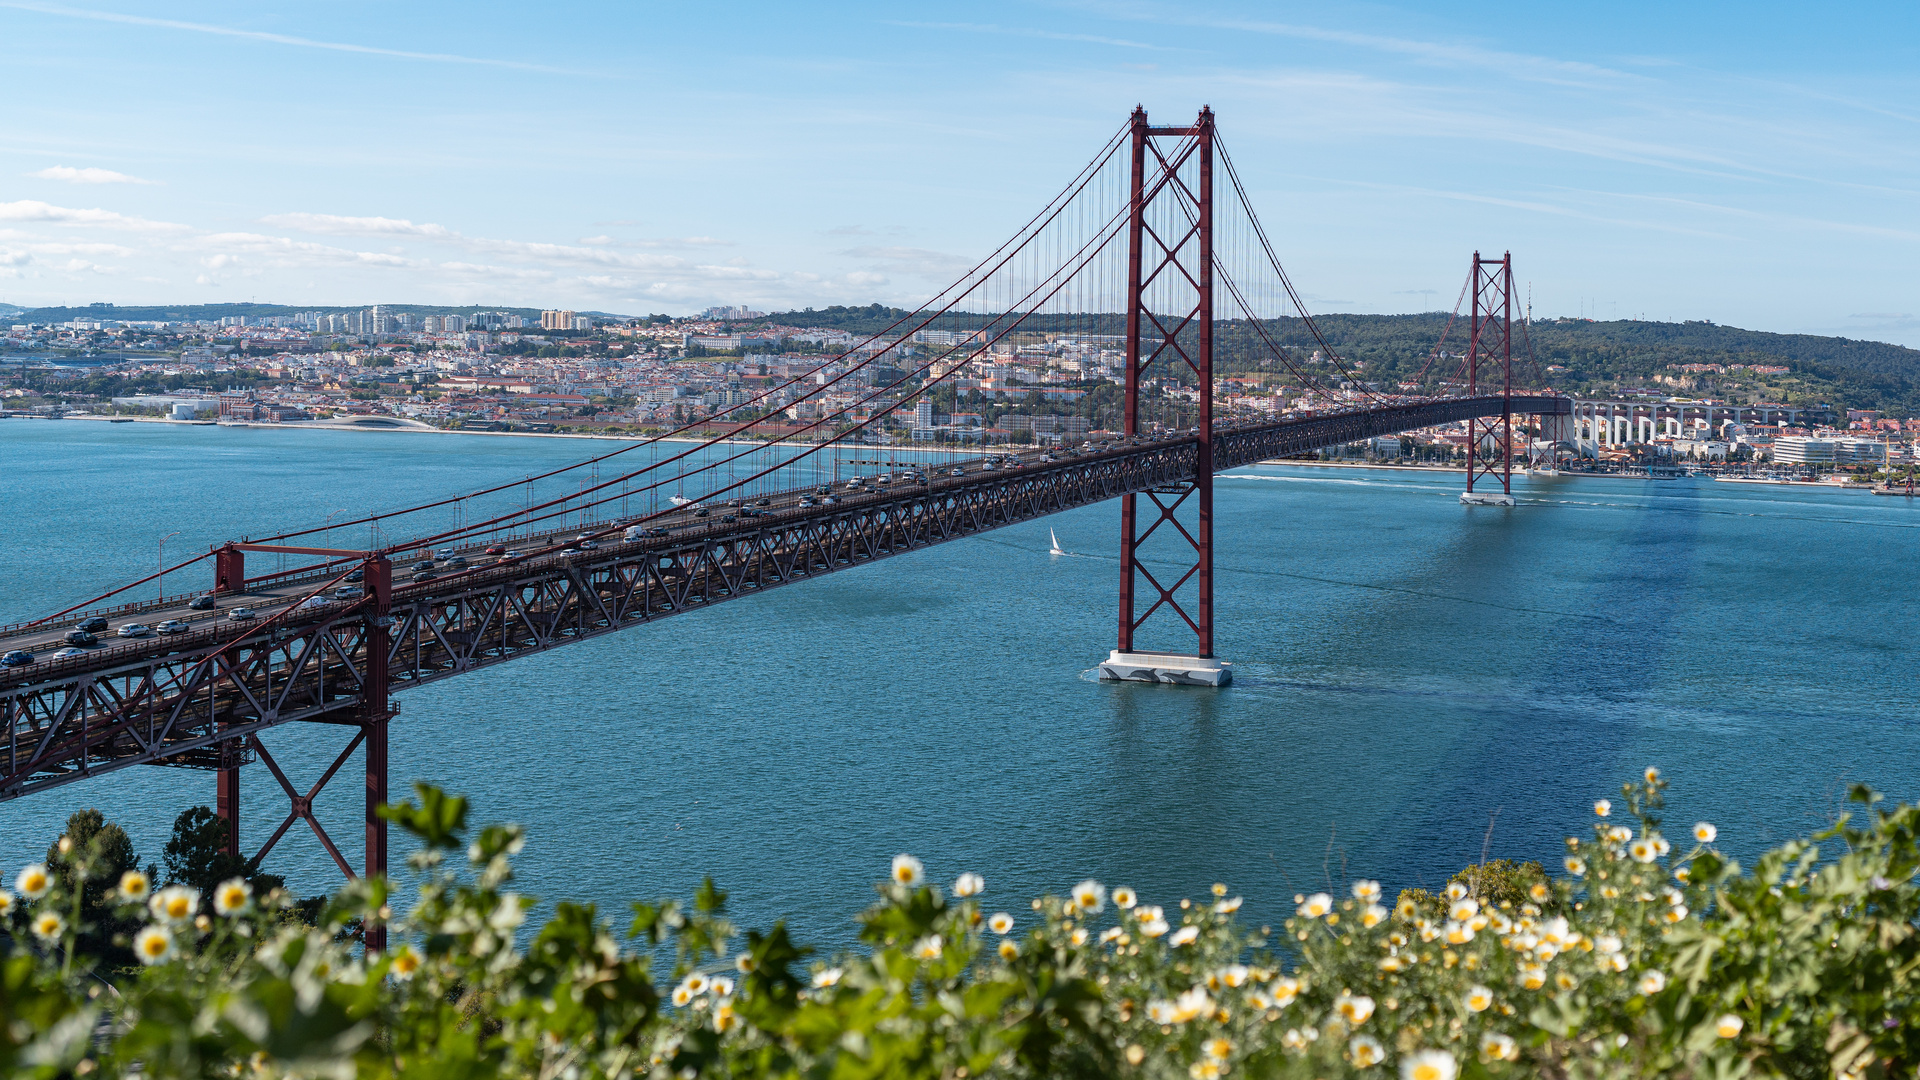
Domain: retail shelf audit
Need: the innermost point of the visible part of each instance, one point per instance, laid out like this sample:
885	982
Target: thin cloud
87	176
337	225
278	39
35	210
591	253
1022	31
295	252
1453	54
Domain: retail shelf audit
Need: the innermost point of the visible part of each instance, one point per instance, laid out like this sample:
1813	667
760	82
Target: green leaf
438	820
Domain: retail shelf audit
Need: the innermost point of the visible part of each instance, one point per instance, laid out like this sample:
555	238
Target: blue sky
1755	164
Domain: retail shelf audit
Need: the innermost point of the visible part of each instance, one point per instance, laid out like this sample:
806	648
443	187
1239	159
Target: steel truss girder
175	701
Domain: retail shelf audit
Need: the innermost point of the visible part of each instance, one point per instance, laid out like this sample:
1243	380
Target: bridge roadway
178	699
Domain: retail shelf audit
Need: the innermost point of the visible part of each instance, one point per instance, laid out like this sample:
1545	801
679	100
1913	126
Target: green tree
90	856
197	855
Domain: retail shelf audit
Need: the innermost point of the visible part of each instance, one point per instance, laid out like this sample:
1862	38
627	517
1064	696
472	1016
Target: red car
496	550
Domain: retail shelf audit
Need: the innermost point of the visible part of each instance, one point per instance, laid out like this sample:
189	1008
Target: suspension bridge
1153	250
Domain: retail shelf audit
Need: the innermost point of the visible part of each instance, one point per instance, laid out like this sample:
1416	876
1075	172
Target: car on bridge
92	626
134	629
79	637
496	550
346	592
589	545
67	654
424	564
203	603
172	626
241	614
17	658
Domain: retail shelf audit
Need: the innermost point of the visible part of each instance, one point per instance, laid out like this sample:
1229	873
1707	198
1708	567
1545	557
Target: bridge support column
374	723
227	796
229	570
1490	440
1172	184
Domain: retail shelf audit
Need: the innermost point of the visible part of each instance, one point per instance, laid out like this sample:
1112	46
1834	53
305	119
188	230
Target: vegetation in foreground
1647	958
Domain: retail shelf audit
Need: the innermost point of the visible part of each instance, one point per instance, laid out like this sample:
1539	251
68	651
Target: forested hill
1597	357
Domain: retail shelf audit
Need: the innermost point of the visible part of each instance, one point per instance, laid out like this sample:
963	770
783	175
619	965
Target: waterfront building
1803	450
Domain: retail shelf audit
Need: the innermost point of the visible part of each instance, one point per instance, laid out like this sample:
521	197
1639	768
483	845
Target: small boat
1056	549
678	500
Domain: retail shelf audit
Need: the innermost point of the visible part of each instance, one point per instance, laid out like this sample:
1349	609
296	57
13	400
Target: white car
134	629
64	653
240	614
171	626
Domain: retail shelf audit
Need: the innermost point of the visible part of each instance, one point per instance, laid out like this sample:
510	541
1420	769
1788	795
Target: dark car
93	625
357	575
764	502
80	637
728	519
424	564
17	658
203	603
457	563
424	575
702	512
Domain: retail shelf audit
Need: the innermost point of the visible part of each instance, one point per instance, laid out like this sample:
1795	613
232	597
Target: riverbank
1383	467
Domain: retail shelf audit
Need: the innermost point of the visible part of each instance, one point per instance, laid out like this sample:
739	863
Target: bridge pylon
1489	371
1169	321
371	718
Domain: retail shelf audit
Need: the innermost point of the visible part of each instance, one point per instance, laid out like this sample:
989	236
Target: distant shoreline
416	427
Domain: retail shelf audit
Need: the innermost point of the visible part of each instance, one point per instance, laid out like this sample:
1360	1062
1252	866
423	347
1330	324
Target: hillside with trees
1577	356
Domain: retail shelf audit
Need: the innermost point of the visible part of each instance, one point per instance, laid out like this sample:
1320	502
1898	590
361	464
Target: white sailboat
678	500
1057	549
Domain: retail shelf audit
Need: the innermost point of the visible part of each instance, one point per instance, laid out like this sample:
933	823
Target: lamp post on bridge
160	580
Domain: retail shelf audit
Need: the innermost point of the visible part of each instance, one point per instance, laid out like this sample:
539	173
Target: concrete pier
1486	498
1166	668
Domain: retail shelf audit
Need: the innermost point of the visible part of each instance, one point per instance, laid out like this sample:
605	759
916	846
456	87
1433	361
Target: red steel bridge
1152	256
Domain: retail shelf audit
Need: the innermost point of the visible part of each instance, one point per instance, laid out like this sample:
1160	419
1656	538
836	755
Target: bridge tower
1490	371
370	719
1169	321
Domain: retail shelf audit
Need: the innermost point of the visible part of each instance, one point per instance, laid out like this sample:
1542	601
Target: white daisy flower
908	870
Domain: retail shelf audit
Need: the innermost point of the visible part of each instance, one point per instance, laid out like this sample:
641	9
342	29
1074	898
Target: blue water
1409	672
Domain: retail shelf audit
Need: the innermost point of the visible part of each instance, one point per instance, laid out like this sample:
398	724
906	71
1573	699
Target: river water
1415	682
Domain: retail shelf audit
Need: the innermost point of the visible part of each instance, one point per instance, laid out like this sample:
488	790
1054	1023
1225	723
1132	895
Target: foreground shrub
1643	960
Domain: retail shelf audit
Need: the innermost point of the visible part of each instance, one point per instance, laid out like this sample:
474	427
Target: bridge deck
176	699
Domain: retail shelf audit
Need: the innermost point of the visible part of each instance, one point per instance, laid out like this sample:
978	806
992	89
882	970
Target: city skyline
1754	169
